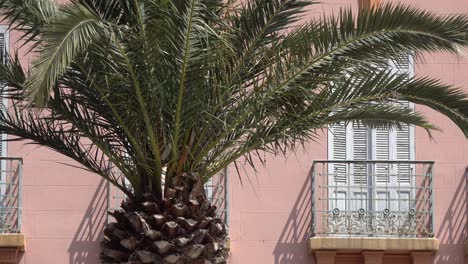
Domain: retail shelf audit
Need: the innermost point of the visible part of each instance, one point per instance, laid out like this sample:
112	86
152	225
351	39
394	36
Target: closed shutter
360	151
3	102
359	192
357	142
349	181
403	65
402	150
2	105
2	46
338	178
381	150
339	152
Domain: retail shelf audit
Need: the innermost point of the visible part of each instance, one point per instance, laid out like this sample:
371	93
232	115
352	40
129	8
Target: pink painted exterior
270	212
63	207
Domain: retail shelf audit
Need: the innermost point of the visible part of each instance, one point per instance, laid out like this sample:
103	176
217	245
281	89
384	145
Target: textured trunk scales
181	228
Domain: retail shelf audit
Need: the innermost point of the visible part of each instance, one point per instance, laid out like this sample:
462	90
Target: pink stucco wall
63	207
269	212
448	149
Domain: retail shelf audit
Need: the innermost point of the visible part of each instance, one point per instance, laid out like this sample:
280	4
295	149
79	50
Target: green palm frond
74	29
28	16
451	102
158	88
120	11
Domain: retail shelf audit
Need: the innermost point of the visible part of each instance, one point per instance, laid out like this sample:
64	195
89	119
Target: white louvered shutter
337	180
349	181
381	151
394	193
360	151
339	153
403	152
2	57
3	144
359	192
402	144
405	194
357	142
403	65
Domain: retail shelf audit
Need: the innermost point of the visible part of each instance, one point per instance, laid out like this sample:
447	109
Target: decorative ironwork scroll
384	223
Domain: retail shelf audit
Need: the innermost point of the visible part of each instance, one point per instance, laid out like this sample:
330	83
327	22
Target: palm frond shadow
452	228
291	247
84	247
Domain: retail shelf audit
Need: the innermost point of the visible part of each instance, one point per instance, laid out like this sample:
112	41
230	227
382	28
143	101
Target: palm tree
171	92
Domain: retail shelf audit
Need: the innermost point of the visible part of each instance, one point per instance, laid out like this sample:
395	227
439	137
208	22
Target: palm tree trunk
182	227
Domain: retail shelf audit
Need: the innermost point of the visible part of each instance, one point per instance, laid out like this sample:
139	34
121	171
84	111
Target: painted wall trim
359	244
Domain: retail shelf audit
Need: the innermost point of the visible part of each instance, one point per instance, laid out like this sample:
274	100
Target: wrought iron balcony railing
372	198
10	194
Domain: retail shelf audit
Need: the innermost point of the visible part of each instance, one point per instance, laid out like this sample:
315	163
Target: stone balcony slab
359	244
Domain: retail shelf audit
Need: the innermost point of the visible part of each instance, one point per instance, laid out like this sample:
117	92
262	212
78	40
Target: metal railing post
20	193
312	189
432	200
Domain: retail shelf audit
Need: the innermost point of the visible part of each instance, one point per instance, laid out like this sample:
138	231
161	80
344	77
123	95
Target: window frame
4	147
371	152
3	136
371	140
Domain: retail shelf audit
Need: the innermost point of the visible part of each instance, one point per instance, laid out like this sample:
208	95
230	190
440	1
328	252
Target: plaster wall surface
269	211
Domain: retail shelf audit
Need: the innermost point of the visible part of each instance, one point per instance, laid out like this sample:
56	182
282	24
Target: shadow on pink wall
291	247
452	229
84	248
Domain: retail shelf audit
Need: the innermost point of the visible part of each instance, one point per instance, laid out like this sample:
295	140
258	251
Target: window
3	104
372	186
10	168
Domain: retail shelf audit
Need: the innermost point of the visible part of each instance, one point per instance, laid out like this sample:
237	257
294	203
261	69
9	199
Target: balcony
10	195
372	205
11	239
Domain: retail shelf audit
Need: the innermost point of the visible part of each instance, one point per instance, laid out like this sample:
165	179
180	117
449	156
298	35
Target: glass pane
339	200
360	200
381	201
404	199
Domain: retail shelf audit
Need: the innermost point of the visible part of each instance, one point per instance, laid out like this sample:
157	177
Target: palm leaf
75	28
159	88
28	16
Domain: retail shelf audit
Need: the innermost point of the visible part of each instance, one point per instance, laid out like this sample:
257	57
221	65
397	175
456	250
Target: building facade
353	196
